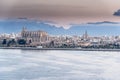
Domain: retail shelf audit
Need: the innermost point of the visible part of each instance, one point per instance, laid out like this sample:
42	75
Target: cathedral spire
24	29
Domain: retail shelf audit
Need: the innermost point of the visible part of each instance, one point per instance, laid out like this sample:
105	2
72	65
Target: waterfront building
34	37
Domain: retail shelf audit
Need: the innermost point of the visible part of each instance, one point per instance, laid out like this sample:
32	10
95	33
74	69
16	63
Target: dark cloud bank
117	13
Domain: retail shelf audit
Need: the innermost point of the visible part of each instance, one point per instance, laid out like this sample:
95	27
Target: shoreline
66	49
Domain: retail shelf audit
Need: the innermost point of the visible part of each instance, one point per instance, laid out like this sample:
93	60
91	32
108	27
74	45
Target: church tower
85	35
23	31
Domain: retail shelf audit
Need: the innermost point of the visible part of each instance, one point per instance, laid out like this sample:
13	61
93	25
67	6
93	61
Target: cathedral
34	37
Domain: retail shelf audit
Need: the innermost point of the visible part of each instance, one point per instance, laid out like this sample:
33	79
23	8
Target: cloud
117	13
104	22
65	26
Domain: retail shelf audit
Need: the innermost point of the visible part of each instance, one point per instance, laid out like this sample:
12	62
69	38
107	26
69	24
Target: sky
61	12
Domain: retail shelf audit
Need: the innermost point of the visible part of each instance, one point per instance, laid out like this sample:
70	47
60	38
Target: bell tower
23	32
24	29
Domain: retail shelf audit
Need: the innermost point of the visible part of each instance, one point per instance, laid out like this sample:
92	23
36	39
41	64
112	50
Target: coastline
66	49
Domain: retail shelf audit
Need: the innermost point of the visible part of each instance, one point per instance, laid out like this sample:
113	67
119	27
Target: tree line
13	42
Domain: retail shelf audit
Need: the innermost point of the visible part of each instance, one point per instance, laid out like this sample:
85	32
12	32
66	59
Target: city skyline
83	32
94	28
42	39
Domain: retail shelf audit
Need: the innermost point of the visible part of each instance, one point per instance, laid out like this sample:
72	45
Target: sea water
59	65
